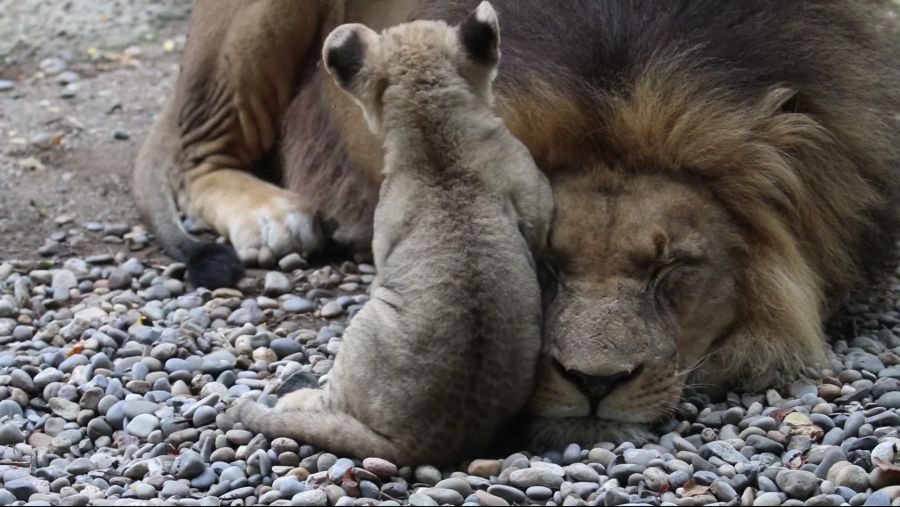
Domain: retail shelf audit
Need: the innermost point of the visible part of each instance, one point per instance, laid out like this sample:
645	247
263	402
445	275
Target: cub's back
468	275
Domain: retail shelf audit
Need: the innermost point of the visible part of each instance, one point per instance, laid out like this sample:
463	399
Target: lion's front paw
263	222
271	229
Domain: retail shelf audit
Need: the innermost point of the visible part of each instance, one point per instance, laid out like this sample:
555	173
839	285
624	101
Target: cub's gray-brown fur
444	353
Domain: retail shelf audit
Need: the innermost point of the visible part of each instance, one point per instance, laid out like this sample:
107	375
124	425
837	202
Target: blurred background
80	83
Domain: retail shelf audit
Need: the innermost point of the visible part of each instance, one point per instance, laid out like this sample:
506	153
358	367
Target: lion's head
699	250
639	298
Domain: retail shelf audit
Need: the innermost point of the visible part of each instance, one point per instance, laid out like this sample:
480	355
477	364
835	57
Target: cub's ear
480	34
345	50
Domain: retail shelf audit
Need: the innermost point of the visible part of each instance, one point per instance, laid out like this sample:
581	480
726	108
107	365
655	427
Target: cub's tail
211	265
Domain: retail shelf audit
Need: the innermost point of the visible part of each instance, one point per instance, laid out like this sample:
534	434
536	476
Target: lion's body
444	353
771	124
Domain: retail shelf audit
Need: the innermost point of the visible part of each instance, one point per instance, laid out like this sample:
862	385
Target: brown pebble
224	422
40	440
485	498
484	468
878	479
829	392
300	473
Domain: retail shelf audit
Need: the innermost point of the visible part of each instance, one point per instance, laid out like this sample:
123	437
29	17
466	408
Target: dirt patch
82	100
34	29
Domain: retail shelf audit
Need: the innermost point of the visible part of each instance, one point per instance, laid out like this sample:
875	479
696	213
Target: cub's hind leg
302	415
308	400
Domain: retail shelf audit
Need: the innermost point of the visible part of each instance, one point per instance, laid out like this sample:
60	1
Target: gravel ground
115	374
114	379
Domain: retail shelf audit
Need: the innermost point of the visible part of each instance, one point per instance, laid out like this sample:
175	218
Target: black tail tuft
215	265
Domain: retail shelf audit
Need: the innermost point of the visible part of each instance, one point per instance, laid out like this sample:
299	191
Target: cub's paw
269	229
246	410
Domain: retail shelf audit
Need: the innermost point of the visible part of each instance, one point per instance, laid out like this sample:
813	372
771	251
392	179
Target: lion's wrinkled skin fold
723	174
443	355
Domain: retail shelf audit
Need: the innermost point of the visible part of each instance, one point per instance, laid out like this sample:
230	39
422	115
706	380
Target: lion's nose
597	387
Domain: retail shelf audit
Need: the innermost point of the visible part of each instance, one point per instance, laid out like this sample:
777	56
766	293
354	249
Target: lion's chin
546	433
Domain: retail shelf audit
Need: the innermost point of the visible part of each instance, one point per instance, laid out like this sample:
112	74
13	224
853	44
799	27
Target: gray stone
889	399
443	496
460	486
616	497
239	437
639	456
276	283
119	279
204	415
63	281
825	500
879	497
853	477
726	452
510	494
527	477
134	408
7	310
332	309
11	409
704	477
313	497
579	472
834	436
831	456
535	492
21	488
291	262
656	479
11	434
420	500
175	488
66	409
427	474
763	444
769	499
80	466
298	305
797	483
189	465
723	491
289	486
624	471
571	454
142	425
338	469
245	315
851	426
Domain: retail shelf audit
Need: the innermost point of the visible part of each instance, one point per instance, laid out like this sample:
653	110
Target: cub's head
421	56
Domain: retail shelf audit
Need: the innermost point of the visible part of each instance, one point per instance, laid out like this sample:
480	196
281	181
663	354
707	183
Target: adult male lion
722	172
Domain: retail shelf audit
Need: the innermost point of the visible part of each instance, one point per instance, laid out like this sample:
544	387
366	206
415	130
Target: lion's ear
345	52
479	35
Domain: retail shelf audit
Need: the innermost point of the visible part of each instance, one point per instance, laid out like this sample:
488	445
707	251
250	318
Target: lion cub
444	353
